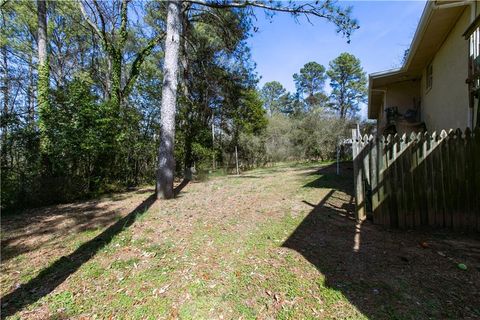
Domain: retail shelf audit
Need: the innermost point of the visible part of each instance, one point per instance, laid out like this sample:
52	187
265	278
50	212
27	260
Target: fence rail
419	180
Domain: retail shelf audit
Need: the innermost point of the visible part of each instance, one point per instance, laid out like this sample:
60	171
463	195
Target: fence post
358	174
374	175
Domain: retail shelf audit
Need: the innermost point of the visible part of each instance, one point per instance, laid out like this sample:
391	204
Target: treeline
310	123
97	129
82	89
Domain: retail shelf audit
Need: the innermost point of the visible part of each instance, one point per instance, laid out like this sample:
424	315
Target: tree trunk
42	32
31	94
43	72
188	159
6	78
6	96
166	161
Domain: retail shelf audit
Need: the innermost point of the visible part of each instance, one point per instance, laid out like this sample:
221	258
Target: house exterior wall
445	104
401	95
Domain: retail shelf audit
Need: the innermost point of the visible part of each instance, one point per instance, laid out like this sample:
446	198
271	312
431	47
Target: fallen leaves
159	291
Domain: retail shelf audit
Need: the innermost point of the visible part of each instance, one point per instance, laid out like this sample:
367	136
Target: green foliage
312	136
81	128
275	97
250	115
218	90
88	153
87	120
318	134
306	125
349	84
310	82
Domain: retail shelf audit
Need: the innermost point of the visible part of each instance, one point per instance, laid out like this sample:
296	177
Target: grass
224	250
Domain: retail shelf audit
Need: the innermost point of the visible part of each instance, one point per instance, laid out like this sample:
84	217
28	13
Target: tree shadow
180	186
387	274
329	179
26	238
51	277
242	176
33	228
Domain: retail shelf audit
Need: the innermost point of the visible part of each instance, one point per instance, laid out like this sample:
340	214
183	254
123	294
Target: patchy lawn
274	243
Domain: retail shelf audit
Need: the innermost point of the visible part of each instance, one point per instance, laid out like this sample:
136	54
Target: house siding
445	104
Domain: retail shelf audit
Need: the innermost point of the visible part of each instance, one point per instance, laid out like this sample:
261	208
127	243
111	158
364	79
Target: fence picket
423	182
397	217
419	180
367	178
443	220
430	168
469	181
383	202
450	180
476	173
374	175
460	208
416	191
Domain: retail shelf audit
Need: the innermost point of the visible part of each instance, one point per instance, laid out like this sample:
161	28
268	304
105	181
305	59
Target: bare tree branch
324	9
301	8
102	21
88	20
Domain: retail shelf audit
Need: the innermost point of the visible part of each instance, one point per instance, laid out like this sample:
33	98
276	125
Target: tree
88	146
317	134
325	9
43	72
215	98
112	29
310	82
81	99
349	84
5	90
166	161
274	97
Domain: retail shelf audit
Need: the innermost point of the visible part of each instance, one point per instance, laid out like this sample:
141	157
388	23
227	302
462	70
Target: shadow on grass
328	178
93	219
179	188
242	176
386	274
51	277
33	228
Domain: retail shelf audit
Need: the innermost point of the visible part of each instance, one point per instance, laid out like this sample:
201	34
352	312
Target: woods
104	96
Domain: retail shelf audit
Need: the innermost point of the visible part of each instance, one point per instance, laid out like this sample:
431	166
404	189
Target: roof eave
417	37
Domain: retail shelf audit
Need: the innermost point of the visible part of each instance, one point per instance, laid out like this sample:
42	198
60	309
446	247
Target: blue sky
281	47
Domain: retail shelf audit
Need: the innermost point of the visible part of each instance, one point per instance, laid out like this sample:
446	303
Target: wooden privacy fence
419	180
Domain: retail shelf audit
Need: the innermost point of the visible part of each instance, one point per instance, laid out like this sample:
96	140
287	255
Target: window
429	76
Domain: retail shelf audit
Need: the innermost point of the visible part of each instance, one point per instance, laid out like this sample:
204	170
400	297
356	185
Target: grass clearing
273	243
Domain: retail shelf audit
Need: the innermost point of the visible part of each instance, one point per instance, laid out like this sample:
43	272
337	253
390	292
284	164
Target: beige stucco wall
401	95
445	105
